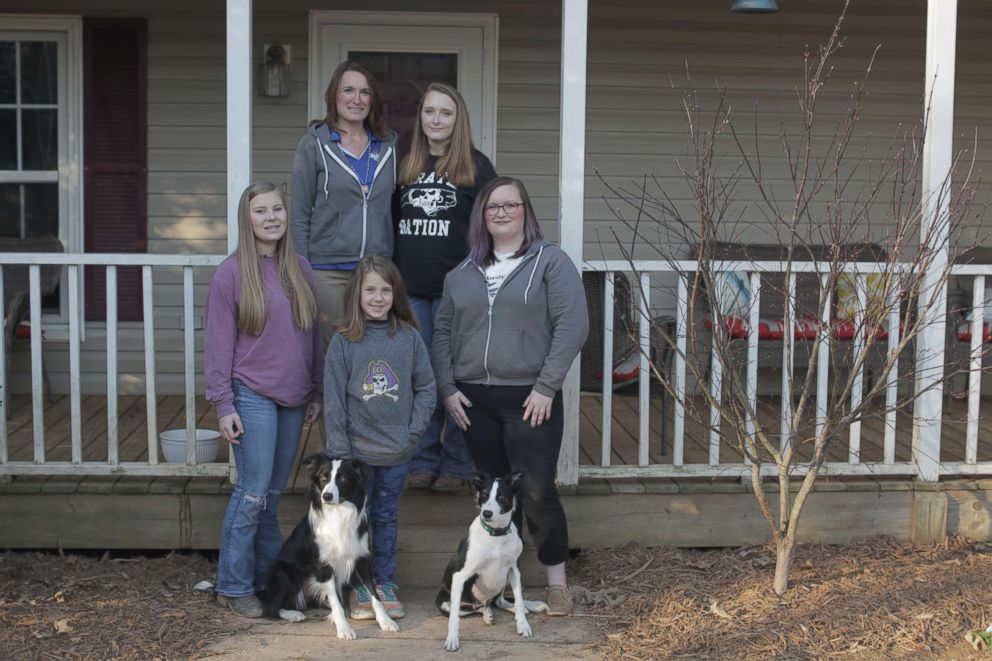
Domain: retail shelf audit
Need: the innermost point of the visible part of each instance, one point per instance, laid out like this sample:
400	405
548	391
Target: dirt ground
883	599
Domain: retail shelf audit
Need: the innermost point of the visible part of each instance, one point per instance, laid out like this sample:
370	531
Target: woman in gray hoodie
344	174
511	321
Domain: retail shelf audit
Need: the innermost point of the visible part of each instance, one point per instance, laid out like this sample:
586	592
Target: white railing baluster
975	371
681	318
189	349
892	380
823	357
716	390
788	357
754	318
4	390
644	373
37	383
75	416
150	397
113	450
608	303
859	342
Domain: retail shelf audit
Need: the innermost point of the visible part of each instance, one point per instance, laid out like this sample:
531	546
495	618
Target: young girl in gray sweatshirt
379	392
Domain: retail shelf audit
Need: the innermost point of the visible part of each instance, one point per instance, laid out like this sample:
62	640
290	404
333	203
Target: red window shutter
116	157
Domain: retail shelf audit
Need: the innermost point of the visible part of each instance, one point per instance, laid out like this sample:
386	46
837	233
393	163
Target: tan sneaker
246	606
448	484
559	599
420	480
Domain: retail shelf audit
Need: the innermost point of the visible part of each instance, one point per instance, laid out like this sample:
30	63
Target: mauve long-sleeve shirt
284	363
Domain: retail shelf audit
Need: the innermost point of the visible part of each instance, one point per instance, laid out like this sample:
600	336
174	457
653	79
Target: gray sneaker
246	606
559	599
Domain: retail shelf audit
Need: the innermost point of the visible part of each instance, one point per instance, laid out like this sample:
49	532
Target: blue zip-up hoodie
529	336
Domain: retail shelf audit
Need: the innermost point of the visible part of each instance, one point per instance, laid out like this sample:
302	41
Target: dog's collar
495	532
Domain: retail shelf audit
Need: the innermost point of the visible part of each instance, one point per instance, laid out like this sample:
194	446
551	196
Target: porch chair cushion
733	293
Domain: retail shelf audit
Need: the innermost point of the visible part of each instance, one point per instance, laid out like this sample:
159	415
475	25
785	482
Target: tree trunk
783	563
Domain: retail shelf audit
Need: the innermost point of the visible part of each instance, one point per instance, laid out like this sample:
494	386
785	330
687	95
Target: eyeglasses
509	208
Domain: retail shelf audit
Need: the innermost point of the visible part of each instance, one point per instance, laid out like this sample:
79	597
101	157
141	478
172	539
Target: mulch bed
78	607
881	599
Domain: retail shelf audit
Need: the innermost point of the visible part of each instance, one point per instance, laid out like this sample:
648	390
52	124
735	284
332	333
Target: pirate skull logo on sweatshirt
380	381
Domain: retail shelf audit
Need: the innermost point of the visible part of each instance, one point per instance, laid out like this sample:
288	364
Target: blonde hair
251	308
352	327
458	162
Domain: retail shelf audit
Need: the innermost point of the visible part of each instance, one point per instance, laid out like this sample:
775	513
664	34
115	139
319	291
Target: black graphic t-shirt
432	226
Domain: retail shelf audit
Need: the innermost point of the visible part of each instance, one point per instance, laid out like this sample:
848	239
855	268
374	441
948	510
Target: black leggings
501	442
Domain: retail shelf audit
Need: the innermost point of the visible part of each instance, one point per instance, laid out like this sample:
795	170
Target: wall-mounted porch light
754	7
274	76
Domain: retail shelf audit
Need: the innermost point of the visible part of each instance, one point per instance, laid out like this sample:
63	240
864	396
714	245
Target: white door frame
488	23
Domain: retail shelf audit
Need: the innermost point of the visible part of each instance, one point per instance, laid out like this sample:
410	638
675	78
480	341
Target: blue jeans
385	490
432	456
250	537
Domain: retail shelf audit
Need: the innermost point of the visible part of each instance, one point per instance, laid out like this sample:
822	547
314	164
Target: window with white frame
40	130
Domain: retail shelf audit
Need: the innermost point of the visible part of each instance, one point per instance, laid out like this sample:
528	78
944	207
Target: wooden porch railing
73	265
644	271
644	466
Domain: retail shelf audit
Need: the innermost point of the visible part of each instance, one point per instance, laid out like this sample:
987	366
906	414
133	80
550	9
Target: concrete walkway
421	637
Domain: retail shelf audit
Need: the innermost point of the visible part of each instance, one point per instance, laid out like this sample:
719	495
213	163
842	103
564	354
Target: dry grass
881	599
78	607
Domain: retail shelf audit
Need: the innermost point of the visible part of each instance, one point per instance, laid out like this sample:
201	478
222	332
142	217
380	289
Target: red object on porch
963	332
805	328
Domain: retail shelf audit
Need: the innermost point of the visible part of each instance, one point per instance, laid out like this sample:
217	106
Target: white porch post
937	159
238	110
571	196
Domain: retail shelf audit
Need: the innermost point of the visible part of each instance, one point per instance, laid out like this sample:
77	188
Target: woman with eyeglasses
511	321
438	183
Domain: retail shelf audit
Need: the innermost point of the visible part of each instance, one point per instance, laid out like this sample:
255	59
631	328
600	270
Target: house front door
405	53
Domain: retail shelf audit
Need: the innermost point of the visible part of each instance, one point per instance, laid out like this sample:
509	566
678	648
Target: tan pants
330	300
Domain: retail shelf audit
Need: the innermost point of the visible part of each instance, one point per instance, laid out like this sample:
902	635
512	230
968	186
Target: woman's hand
456	405
312	413
537	408
231	427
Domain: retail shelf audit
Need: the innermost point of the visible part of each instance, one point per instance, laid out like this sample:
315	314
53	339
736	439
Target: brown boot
420	480
448	483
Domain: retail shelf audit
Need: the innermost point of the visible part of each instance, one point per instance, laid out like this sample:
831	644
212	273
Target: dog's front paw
346	632
291	615
451	644
389	624
523	628
488	616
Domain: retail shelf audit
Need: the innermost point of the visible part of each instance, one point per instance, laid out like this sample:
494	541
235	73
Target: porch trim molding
239	111
571	197
937	164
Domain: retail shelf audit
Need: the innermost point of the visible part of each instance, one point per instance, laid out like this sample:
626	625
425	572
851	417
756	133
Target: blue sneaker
361	604
387	595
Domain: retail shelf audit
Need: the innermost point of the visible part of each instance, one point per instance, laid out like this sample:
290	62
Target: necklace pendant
365	189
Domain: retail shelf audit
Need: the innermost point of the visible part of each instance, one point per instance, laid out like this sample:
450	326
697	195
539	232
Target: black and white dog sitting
487	559
328	550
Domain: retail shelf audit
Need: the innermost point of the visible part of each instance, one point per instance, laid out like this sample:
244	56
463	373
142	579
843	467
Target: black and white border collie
487	559
328	550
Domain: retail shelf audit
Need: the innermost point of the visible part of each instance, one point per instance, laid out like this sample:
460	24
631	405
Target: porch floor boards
170	413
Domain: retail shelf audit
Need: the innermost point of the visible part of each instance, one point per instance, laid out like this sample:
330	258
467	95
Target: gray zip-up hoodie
379	394
529	335
331	221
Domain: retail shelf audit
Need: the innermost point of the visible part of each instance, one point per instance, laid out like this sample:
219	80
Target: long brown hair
352	327
458	162
251	308
376	121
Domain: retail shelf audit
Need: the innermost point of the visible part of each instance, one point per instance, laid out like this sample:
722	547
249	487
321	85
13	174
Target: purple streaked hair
480	243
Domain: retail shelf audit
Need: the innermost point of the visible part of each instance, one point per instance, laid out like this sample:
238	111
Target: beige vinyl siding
638	49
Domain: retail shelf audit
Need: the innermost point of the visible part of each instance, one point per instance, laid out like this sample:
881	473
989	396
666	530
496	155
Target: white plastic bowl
174	445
